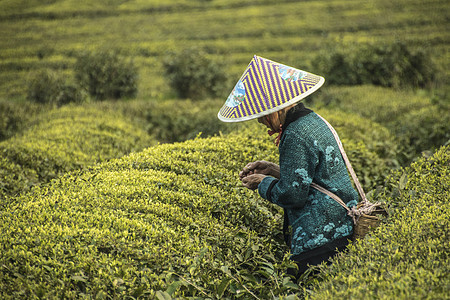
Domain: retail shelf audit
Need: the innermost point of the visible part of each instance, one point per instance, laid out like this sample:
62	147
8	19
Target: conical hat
265	87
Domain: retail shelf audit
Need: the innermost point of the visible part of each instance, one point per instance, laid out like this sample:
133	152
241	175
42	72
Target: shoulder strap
354	213
330	194
347	162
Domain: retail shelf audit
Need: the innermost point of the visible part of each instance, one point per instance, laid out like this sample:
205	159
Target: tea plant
14	116
417	119
106	75
391	65
193	75
62	140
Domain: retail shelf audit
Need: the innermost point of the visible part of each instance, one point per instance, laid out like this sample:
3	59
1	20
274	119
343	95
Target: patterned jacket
309	153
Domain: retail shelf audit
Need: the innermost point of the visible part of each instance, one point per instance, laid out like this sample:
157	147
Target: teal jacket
309	153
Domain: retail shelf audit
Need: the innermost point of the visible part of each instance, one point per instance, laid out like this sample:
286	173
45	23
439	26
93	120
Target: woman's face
264	120
270	121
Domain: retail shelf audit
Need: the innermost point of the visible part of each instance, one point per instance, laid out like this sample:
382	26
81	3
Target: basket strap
351	212
330	194
347	162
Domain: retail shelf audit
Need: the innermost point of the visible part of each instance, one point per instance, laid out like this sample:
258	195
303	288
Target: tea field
140	198
50	34
173	221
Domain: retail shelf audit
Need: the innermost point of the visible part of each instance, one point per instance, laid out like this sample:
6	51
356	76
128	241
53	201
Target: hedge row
168	121
172	220
62	140
407	257
417	118
176	120
389	65
231	30
173	120
14	117
179	120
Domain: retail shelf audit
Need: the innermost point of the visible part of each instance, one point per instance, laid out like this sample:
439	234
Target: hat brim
277	108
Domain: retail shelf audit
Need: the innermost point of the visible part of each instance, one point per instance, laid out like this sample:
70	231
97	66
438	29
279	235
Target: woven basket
367	222
366	215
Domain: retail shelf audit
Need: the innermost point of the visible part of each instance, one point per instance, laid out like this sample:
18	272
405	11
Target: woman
315	225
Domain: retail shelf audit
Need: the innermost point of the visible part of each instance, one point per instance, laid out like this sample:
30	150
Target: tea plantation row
169	217
62	140
292	32
173	221
76	137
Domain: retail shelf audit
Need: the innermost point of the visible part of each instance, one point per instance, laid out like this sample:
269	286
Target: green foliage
63	140
407	256
418	119
71	93
379	104
44	87
48	87
14	116
390	65
148	30
372	146
173	120
107	75
178	120
425	129
193	75
104	233
170	220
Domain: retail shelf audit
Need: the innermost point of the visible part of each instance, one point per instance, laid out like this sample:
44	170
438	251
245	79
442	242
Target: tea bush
173	120
44	87
71	93
50	87
15	115
170	221
425	129
193	75
179	120
62	140
389	65
407	256
379	104
417	119
237	30
105	74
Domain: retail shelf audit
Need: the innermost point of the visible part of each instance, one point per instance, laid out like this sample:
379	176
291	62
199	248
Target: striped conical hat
266	87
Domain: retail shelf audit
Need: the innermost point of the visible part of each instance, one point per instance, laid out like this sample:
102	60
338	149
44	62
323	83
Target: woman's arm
260	167
298	161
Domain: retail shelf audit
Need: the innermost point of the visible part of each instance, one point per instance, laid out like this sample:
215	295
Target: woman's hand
260	167
252	181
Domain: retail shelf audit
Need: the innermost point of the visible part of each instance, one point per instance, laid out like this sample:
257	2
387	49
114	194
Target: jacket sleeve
298	161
